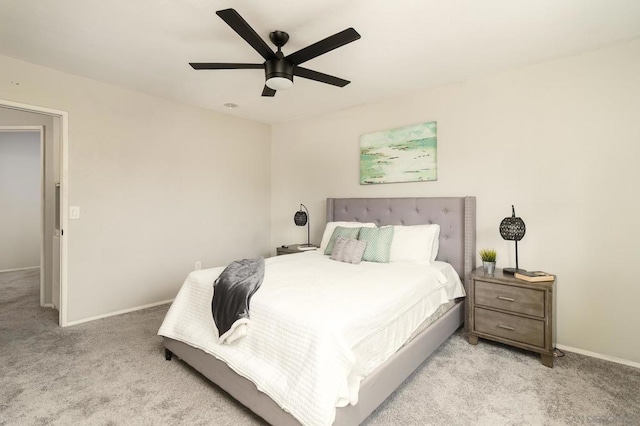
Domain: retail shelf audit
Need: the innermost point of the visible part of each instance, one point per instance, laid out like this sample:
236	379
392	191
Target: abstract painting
406	154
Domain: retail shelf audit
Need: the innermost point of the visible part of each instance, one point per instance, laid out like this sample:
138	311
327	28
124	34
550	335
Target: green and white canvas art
406	154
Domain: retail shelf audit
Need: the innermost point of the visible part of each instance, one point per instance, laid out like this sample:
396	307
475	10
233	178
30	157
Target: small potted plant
488	257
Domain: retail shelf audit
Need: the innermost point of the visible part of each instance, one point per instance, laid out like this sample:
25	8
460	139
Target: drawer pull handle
506	327
508	299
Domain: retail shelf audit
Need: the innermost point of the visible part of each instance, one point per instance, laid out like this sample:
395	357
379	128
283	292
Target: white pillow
418	243
331	226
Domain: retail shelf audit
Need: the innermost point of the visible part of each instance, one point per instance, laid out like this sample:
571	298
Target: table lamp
513	229
301	218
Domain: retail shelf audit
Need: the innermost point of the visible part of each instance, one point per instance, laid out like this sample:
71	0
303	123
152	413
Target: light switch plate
74	212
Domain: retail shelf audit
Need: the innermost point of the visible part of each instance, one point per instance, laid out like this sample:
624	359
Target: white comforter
317	326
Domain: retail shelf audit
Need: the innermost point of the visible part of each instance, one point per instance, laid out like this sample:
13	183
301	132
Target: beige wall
20	219
560	140
160	185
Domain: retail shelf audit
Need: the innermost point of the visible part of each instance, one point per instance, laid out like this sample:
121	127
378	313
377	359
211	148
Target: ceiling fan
279	69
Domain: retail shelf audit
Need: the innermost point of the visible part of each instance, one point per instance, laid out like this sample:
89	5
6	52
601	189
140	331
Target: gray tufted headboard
455	215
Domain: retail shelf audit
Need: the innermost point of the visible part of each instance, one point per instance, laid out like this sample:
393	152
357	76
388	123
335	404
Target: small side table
511	311
290	249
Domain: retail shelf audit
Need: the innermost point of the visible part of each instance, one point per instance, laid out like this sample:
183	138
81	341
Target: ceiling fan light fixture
279	83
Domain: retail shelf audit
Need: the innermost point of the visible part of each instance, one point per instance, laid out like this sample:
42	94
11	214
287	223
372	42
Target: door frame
40	130
63	129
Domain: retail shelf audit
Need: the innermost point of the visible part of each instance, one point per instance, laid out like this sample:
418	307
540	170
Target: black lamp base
511	271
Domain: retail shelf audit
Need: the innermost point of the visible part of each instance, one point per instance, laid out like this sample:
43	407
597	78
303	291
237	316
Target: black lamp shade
512	228
300	218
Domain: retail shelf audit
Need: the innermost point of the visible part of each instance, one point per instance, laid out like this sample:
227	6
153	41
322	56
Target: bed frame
457	219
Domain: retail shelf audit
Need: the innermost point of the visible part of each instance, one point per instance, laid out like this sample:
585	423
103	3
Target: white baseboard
47	305
124	311
20	269
599	356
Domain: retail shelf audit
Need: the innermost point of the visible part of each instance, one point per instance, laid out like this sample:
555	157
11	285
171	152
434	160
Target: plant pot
489	267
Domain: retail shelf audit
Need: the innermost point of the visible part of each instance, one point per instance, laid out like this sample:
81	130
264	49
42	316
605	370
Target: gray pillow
348	250
341	231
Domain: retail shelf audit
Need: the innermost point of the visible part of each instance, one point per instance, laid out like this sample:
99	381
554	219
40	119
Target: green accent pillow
378	243
341	231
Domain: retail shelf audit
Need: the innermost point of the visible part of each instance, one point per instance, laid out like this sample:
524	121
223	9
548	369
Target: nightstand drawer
524	330
509	298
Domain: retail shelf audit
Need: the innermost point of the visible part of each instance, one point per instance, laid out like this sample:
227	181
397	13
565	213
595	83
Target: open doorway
23	241
50	128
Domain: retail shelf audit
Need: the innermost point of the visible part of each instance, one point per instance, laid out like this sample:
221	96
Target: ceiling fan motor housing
278	68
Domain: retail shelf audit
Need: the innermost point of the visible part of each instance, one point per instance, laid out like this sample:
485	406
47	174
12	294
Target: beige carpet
113	372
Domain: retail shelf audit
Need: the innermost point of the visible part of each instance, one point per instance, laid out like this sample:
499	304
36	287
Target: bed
456	217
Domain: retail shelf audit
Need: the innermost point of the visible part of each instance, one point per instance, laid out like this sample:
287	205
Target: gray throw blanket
232	292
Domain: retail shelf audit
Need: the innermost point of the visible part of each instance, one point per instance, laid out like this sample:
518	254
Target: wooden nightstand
290	249
511	311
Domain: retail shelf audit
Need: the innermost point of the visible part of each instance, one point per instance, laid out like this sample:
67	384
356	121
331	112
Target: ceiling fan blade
318	76
267	91
244	30
224	66
324	46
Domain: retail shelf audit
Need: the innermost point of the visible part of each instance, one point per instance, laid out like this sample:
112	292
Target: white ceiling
406	45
